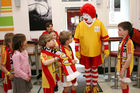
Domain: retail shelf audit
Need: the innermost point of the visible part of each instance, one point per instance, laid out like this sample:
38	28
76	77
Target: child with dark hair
65	39
22	70
7	62
125	56
49	28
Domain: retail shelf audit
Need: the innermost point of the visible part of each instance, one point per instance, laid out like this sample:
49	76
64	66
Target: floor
105	86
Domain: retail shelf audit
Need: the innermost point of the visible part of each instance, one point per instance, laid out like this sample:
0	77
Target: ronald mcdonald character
90	34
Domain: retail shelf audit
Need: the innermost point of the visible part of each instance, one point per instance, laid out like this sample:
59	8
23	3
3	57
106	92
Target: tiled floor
106	86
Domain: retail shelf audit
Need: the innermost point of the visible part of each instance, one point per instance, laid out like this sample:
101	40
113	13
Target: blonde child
48	69
54	36
65	39
7	62
22	80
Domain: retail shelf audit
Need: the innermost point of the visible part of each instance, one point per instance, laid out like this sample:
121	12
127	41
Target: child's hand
122	74
74	61
29	79
58	64
11	76
56	58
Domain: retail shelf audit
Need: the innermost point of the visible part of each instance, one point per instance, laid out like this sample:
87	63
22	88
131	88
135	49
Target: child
69	68
22	80
47	61
54	36
65	39
125	56
57	45
49	28
7	62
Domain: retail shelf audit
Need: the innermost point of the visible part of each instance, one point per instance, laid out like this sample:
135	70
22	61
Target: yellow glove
106	53
78	55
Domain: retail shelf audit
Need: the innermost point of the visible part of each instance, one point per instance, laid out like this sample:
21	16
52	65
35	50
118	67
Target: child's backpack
135	36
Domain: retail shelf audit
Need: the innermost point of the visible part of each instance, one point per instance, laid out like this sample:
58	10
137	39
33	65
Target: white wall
21	20
60	17
59	13
135	13
21	17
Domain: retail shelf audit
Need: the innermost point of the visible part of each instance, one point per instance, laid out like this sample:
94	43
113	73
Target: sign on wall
40	12
6	17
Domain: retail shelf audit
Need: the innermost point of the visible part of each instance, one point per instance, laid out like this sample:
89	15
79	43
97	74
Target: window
113	33
117	5
119	11
73	18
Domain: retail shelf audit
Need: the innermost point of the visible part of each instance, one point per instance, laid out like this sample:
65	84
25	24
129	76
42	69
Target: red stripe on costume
94	81
66	72
48	75
76	48
62	76
94	72
105	37
106	47
48	90
73	91
57	40
105	40
76	40
51	54
57	34
121	55
94	68
7	86
94	76
87	76
73	68
73	81
126	90
44	89
88	81
128	72
63	50
57	77
87	71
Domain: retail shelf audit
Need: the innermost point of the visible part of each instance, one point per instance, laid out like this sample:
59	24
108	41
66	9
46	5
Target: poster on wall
40	12
6	16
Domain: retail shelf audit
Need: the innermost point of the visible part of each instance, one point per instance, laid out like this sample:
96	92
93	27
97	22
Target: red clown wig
89	9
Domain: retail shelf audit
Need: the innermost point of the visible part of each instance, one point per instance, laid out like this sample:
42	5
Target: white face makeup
87	18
